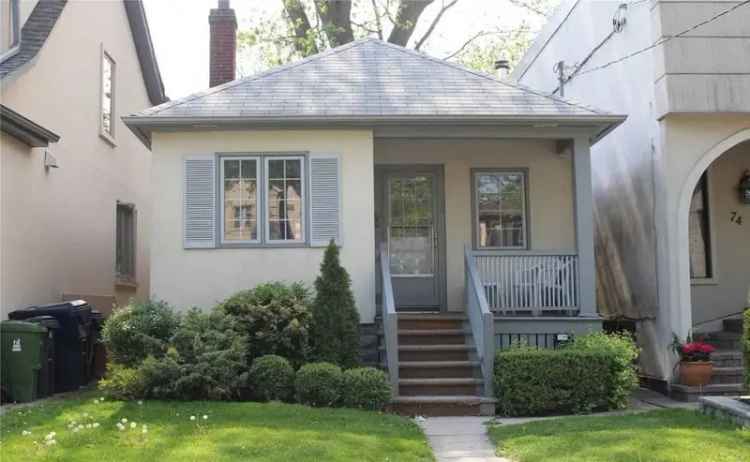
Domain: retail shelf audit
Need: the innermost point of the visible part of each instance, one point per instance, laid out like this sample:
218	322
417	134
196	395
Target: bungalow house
75	186
672	185
462	204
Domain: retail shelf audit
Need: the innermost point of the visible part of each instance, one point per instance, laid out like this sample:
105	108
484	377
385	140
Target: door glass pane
411	226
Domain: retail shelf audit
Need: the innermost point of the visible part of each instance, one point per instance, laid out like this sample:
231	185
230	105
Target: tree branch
406	20
300	23
378	24
336	18
528	6
482	33
435	22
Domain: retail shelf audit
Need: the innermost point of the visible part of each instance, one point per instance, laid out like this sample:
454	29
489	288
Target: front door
413	233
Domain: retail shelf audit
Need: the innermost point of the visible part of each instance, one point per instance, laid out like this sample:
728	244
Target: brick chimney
223	53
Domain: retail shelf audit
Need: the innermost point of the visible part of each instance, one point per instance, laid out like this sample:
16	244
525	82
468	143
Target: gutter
24	129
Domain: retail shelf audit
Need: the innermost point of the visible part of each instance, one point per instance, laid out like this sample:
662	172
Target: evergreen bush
365	388
318	384
272	378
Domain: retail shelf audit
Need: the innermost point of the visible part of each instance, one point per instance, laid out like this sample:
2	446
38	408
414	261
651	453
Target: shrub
335	319
275	318
159	376
139	330
318	384
272	378
538	382
622	351
746	327
365	388
121	382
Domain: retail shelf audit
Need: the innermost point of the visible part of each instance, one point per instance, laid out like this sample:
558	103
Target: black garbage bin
72	345
46	382
98	361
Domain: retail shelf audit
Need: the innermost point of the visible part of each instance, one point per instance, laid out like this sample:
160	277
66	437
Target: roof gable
365	79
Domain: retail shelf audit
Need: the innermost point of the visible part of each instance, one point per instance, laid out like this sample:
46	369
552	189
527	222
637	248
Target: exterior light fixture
745	188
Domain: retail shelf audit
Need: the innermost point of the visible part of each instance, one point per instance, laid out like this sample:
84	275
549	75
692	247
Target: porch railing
529	283
481	320
390	320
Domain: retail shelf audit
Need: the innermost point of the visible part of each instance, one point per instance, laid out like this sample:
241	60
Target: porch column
584	219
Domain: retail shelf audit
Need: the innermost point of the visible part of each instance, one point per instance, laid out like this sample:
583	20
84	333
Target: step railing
481	320
534	283
390	320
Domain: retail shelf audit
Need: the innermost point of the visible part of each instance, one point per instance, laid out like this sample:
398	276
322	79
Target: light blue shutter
200	202
325	200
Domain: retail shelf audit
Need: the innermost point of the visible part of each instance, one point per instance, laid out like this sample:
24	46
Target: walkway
460	439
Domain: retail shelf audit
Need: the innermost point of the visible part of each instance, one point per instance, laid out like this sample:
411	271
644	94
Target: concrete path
460	439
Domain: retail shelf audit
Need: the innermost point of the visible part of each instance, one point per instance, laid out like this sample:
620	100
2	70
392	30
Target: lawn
673	435
229	432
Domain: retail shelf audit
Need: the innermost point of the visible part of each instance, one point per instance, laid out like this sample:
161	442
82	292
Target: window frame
131	278
14	13
303	200
258	200
712	265
108	136
526	209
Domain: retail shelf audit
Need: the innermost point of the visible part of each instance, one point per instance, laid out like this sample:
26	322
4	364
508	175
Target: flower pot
695	373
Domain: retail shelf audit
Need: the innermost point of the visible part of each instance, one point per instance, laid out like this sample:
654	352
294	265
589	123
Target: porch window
125	243
500	209
700	233
239	199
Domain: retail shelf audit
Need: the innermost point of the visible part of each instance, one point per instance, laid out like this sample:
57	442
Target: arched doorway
713	237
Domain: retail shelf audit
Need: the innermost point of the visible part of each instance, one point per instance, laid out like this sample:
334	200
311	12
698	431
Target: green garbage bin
22	344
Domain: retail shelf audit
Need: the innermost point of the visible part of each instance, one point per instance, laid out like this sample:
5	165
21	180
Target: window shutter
200	202
325	200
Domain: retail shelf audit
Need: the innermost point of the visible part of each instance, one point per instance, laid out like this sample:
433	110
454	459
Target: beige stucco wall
203	277
550	192
726	293
58	231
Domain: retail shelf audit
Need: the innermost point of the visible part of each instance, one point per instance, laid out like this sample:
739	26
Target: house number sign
735	218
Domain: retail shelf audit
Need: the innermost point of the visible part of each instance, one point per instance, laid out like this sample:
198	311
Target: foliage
622	351
365	388
121	382
538	382
318	384
746	336
335	319
272	378
139	330
275	317
691	351
233	431
667	435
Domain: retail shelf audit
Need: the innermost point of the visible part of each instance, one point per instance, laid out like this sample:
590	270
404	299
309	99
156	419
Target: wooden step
434	352
436	406
728	375
727	358
431	321
690	394
438	369
431	336
439	386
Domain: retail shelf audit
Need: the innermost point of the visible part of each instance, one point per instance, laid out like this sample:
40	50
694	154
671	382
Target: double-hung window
500	220
125	229
262	199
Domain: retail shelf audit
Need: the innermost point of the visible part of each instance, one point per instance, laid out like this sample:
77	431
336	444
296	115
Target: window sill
127	284
108	138
704	282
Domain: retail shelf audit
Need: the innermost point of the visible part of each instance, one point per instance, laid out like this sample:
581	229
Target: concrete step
435	406
431	336
448	352
682	392
438	369
727	358
723	340
439	386
733	325
728	375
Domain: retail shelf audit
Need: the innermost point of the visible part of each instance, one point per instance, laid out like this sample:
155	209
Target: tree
307	27
335	319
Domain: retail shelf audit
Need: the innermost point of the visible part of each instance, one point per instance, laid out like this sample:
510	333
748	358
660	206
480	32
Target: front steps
438	371
728	361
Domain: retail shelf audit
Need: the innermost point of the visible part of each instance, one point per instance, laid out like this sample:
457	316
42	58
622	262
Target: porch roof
365	82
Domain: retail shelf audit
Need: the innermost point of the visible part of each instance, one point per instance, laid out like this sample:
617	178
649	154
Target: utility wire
667	39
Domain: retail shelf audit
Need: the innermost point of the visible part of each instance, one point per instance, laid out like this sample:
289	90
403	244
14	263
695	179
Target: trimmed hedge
272	378
365	388
318	384
538	382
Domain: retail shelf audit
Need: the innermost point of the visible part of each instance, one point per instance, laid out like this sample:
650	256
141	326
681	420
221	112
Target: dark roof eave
25	129
145	50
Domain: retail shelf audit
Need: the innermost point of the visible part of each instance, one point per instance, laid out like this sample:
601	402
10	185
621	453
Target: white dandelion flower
133	425
192	417
205	417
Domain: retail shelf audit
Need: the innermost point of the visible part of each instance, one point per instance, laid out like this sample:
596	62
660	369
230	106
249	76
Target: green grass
673	435
233	432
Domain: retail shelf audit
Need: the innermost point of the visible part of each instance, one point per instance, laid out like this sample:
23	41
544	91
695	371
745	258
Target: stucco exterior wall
59	226
550	194
203	277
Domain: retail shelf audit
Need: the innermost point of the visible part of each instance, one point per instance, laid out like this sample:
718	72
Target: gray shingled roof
367	79
34	33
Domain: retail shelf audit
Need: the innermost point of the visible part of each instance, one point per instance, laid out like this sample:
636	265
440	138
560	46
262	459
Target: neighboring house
379	147
76	184
673	231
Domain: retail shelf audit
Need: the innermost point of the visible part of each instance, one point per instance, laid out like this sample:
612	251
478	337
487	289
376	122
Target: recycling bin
46	386
99	360
22	353
72	343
